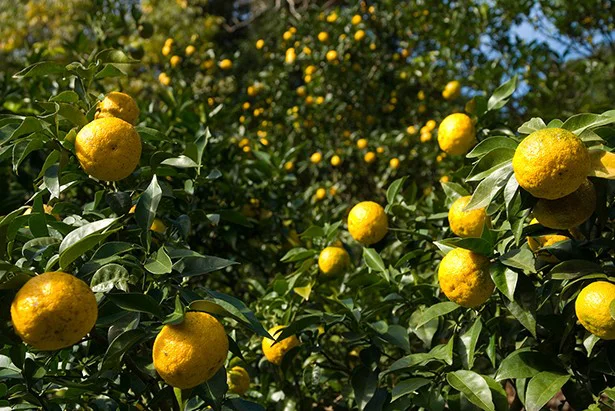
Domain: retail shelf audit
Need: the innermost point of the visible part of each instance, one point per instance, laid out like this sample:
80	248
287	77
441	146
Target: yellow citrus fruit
336	161
333	260
331	55
226	64
425	137
275	351
411	130
369	157
361	143
120	105
456	134
359	35
190	353
464	278
569	211
593	309
290	56
537	243
158	226
356	19
175	60
452	90
321	193
108	149
164	79
430	125
323	36
289	166
316	157
467	223
394	163
260	43
190	50
53	310
238	380
367	222
551	163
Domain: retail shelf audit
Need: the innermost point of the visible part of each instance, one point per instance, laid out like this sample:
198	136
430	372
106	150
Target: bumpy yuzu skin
467	223
333	260
593	309
464	278
569	211
238	380
53	310
456	134
276	352
120	105
188	354
551	163
367	222
108	149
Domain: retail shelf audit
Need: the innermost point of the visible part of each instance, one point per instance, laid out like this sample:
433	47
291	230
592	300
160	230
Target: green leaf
535	124
373	260
504	278
408	386
453	191
67	96
180	162
159	263
478	245
147	205
200	265
571	269
297	254
581	122
219	303
52	180
521	258
364	384
136	302
542	388
114	56
397	335
491	162
489	188
492	143
525	363
120	346
468	341
109	70
437	310
500	96
108	277
394	189
72	114
42	68
473	386
83	239
499	396
526	316
28	126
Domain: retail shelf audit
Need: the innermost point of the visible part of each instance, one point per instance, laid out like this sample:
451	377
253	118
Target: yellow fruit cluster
109	148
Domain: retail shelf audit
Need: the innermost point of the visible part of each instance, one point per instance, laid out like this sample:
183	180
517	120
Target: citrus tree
375	206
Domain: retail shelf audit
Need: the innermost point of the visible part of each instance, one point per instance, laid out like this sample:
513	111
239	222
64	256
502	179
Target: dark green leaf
473	386
542	388
136	302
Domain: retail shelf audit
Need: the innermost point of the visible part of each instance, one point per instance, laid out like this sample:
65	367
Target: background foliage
227	166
